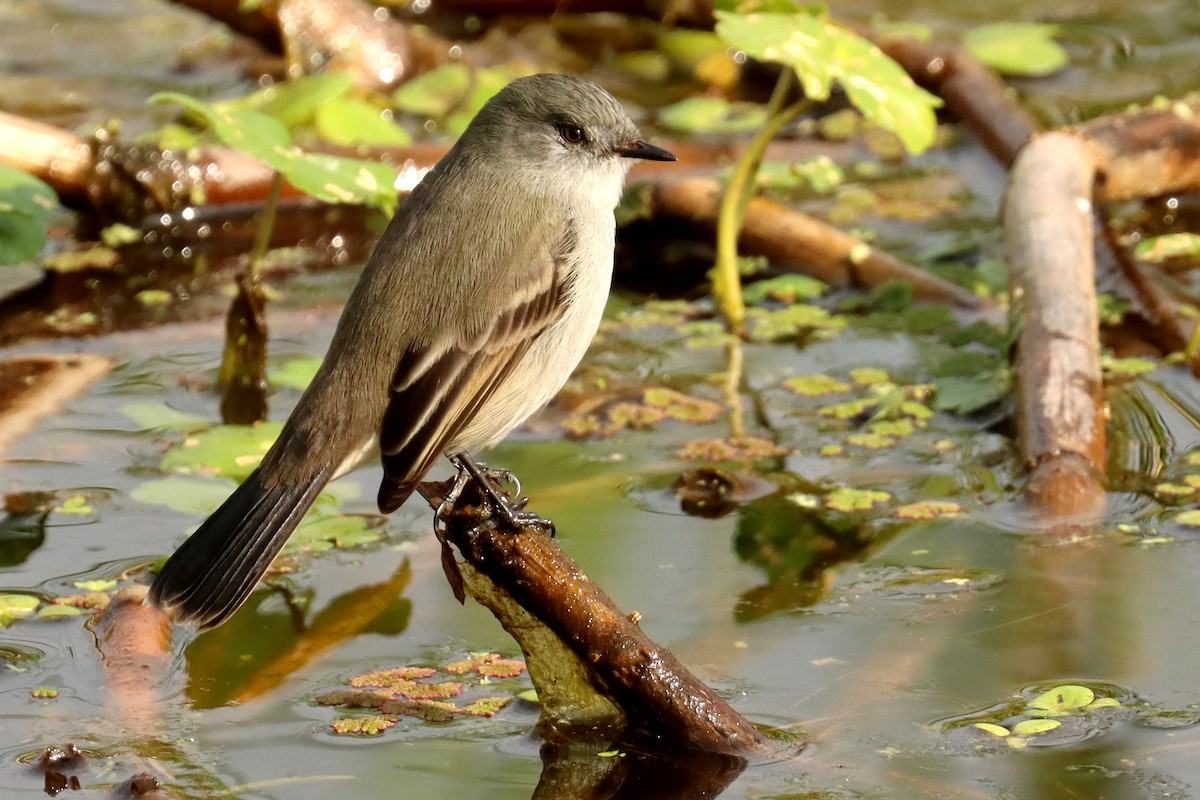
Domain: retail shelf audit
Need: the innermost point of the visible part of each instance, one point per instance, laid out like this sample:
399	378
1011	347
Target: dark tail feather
214	571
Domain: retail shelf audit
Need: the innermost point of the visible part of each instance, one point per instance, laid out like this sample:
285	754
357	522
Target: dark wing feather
436	393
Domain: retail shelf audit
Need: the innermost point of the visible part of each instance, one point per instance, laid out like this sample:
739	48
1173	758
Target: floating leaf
677	405
995	730
75	504
428	710
16	606
785	288
56	611
870	441
99	585
1062	699
869	376
351	121
1126	367
928	509
1171	245
822	52
816	385
390	678
712	115
44	693
361	726
847	499
295	373
486	706
1029	727
186	495
156	416
226	450
1017	48
27	207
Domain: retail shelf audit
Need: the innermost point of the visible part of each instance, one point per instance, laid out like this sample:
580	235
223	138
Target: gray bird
477	304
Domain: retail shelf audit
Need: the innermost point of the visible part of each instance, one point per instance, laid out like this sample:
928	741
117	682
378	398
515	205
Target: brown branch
793	239
1048	242
972	92
135	645
1146	153
645	681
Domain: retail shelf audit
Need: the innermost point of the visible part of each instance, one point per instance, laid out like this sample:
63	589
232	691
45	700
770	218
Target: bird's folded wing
437	389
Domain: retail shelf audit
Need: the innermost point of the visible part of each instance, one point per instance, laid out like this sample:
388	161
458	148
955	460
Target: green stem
727	284
262	238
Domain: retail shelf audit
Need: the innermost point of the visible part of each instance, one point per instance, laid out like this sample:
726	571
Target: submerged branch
609	652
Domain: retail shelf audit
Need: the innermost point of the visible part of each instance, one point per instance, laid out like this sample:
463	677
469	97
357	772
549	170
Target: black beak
645	151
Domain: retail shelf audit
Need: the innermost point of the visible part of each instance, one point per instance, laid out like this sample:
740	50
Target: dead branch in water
608	654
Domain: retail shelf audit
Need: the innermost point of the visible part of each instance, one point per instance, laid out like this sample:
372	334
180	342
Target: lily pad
1016	48
27	207
846	499
231	451
16	606
434	93
295	373
712	115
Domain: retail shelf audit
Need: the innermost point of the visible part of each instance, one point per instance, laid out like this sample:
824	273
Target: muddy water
883	641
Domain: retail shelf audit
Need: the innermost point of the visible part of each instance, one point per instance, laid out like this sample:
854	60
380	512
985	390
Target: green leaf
1172	245
329	178
847	499
785	288
1029	727
193	496
434	93
487	83
56	611
995	730
98	585
350	121
16	606
231	451
816	385
75	504
295	102
156	416
686	48
1062	699
27	207
1017	48
712	115
295	373
822	52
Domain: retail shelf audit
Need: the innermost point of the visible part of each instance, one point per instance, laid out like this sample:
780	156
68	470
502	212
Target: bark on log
669	704
1048	243
135	646
1146	153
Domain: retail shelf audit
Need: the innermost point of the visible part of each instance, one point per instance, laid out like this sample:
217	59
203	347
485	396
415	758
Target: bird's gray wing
439	387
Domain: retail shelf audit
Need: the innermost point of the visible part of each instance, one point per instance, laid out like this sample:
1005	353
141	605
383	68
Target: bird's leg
447	504
510	511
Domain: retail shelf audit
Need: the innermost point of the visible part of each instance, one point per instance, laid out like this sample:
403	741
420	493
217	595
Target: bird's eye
572	134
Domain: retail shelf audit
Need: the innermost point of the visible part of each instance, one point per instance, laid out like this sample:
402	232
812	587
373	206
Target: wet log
1146	153
134	641
350	36
1048	243
796	240
664	702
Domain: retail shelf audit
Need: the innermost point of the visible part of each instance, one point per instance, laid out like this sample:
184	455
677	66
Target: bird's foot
486	478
